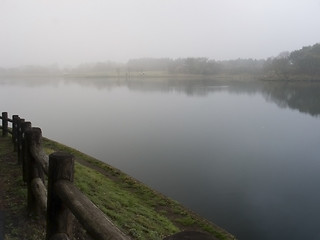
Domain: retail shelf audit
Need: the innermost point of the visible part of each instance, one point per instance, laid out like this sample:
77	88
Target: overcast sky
77	31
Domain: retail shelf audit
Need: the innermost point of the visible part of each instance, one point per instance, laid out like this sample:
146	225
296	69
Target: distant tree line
305	61
202	65
31	70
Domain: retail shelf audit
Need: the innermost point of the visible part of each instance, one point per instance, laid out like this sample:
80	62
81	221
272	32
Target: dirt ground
1	210
15	222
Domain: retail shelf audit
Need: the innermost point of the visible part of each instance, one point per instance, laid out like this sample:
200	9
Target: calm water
246	156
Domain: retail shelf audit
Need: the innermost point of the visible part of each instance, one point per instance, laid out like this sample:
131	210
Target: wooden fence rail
61	200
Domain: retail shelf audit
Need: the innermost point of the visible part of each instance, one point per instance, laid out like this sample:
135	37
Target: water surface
244	155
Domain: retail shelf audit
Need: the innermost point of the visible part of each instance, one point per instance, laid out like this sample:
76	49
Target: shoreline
150	75
181	217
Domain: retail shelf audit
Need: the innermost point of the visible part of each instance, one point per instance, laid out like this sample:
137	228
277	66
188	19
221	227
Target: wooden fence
61	198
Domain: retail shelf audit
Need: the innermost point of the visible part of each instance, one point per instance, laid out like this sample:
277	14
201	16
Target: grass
126	209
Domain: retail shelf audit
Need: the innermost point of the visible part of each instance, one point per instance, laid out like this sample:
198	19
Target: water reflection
301	96
304	97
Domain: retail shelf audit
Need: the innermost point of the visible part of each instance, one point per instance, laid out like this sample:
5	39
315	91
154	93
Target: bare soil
15	223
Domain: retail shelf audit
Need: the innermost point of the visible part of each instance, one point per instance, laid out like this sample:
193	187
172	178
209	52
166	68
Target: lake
245	155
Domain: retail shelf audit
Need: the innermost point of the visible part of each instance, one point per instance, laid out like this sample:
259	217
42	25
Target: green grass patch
126	209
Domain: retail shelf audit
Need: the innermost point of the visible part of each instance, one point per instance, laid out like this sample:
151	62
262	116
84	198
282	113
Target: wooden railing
61	198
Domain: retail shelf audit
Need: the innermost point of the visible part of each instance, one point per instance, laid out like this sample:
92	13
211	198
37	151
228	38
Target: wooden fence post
4	124
15	119
25	127
33	170
20	123
59	217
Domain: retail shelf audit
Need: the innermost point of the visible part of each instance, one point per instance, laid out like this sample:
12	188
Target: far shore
149	75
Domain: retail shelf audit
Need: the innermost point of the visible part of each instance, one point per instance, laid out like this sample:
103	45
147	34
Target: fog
72	32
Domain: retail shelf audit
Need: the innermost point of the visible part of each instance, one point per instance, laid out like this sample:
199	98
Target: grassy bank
138	210
290	77
149	75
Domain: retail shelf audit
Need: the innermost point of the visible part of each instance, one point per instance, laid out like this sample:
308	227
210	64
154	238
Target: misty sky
76	31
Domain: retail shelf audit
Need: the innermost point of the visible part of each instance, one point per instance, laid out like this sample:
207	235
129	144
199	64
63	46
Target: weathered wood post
25	127
15	119
20	122
4	124
33	169
59	217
